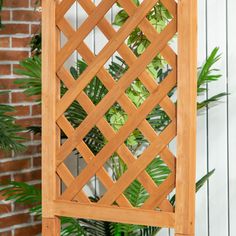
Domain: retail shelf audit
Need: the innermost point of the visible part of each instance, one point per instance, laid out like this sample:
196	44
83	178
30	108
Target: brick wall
21	22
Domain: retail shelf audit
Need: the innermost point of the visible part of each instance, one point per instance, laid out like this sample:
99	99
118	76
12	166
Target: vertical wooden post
186	131
50	134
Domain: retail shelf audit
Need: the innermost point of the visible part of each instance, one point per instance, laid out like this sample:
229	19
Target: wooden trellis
73	202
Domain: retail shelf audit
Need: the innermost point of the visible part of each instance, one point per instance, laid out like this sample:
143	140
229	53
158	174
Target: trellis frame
182	219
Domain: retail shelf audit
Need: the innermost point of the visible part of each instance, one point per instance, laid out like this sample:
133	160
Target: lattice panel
120	93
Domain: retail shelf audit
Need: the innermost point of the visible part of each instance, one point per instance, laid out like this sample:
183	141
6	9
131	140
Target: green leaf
120	18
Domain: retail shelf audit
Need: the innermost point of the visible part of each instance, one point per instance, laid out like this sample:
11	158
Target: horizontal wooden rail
114	214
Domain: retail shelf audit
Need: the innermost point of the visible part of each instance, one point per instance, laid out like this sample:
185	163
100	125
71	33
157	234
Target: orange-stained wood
114	214
114	205
186	113
50	131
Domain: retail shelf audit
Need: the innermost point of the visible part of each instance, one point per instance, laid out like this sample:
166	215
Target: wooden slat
150	32
137	167
144	25
51	226
127	53
88	156
120	137
108	81
108	132
187	113
50	134
114	214
49	128
67	179
62	8
164	189
137	68
111	47
106	78
54	120
83	31
171	6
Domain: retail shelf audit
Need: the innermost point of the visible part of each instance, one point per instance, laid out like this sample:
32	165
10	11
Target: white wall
216	202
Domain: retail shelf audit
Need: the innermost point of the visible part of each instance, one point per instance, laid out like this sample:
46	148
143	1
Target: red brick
29	122
5	178
5	42
37	161
37	137
28	176
5	208
25	135
31	150
36	110
21	111
35	28
8	233
32	230
23	15
15	220
33	3
5	154
16	3
21	42
4	98
21	207
5	69
13	55
19	97
14	165
6	15
8	84
15	29
16	66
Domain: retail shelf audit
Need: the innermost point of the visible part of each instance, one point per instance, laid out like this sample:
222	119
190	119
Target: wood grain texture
113	205
114	214
50	131
51	226
49	98
186	113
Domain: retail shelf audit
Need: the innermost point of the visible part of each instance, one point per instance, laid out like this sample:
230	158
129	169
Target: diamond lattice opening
137	93
71	61
81	15
70	15
138	42
101	41
137	143
158	119
75	114
95	90
94	189
136	194
158	170
95	140
115	166
159	21
116	117
159	68
117	66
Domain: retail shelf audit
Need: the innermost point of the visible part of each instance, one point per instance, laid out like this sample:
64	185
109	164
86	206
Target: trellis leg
186	131
50	132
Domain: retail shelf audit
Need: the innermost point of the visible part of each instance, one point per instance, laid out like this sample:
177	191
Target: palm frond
31	69
71	226
207	73
20	192
9	131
